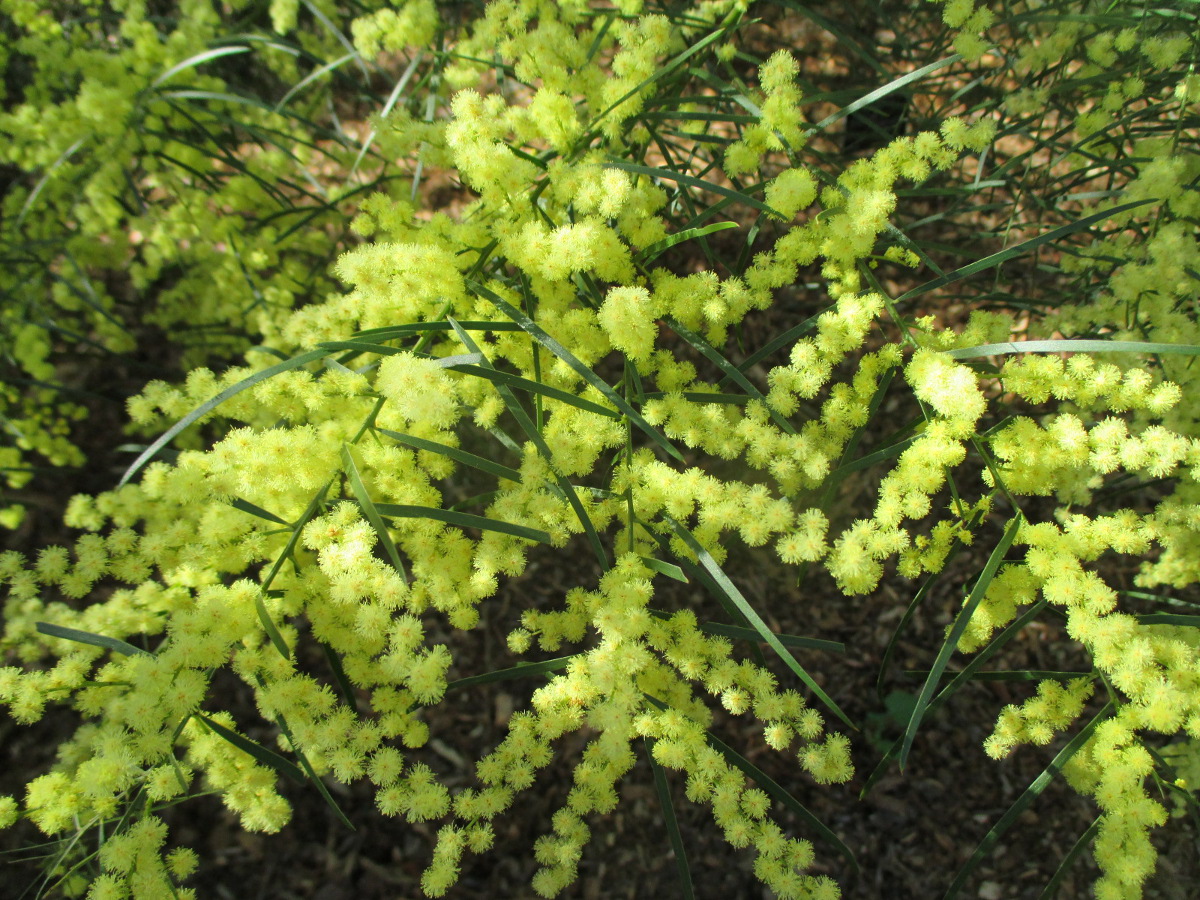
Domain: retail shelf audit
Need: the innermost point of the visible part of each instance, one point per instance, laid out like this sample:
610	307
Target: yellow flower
418	389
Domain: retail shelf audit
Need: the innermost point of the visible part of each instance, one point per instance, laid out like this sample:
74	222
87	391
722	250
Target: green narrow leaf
86	637
1022	803
310	772
994	645
267	757
539	442
996	259
370	510
180	779
885	665
484	499
199	59
613	162
357	347
664	568
672	825
1169	619
1070	345
45	180
392	332
851	446
786	339
749	634
881	92
1052	886
87	294
248	507
700	397
864	462
743	606
204	408
672	64
468	363
462	520
269	626
635	382
535	387
772	788
788	640
345	688
401	84
338	36
505	440
706	581
669	111
996	429
536	332
521	670
1160	598
956	630
659	247
462	456
330	363
462	359
297	527
312	212
311	77
218	96
728	369
1010	675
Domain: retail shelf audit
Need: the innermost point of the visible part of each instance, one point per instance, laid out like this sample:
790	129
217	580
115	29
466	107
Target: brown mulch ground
910	834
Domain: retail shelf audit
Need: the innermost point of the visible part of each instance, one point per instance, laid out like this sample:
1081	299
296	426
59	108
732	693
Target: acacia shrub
316	518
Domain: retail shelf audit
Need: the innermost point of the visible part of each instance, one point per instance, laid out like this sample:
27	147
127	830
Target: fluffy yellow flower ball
418	389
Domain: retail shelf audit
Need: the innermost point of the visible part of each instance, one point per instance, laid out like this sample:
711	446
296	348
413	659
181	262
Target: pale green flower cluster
640	655
1116	419
324	517
778	128
136	204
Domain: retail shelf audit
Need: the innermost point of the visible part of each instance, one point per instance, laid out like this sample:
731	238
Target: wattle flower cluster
532	346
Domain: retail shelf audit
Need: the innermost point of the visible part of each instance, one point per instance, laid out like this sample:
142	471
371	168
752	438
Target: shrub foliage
1000	221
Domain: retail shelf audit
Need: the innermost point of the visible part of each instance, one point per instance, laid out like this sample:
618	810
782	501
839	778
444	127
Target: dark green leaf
773	789
1069	345
535	387
729	370
1170	619
462	520
956	631
1022	803
370	510
268	758
204	408
692	181
522	670
664	568
192	61
578	367
86	637
743	606
1052	886
248	507
672	825
659	247
996	259
535	436
462	456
